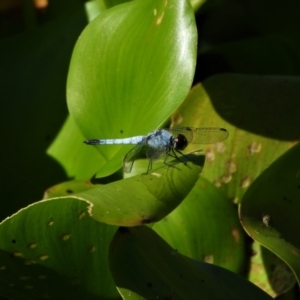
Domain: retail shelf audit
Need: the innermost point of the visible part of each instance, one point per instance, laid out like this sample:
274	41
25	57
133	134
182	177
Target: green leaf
132	66
53	249
143	198
269	211
144	266
205	210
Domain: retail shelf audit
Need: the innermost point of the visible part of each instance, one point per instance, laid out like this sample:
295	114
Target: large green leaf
205	227
269	211
143	198
54	249
58	237
144	266
132	66
139	199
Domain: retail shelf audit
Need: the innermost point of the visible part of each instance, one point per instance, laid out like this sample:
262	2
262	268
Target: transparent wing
208	135
131	156
154	153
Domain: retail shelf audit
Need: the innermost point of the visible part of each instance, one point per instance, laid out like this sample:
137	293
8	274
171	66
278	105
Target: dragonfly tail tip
89	142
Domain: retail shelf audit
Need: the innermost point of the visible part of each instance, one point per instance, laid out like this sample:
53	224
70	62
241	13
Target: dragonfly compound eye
180	142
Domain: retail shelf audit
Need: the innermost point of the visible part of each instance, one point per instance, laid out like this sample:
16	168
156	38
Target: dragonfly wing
155	152
130	157
206	135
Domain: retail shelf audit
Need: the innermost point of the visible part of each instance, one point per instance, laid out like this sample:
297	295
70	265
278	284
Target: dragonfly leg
149	166
175	155
181	154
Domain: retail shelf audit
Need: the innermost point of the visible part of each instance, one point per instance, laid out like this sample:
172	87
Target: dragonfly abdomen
129	141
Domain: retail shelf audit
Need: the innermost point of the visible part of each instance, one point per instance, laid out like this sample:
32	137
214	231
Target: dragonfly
168	142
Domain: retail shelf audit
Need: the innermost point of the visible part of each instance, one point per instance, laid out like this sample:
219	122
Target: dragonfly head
180	142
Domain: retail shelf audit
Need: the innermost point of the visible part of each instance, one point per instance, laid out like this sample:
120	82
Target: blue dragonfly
168	142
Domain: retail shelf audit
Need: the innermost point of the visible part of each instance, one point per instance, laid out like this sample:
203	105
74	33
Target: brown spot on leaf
254	148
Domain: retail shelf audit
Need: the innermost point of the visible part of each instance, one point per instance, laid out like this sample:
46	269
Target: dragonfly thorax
180	142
